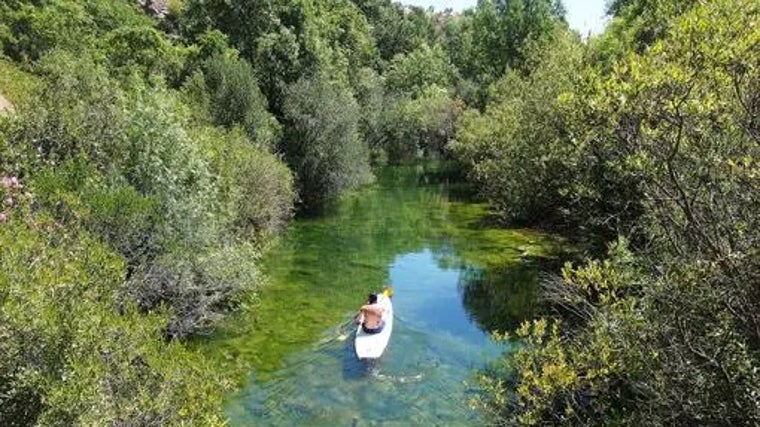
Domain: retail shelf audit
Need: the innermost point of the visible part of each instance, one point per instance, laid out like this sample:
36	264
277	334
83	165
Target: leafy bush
638	349
434	116
75	194
410	74
199	290
162	193
162	161
138	141
68	357
322	143
523	132
78	110
420	127
235	98
256	188
28	30
15	84
402	128
141	50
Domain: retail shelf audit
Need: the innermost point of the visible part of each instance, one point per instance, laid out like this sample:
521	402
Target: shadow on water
355	369
502	297
352	368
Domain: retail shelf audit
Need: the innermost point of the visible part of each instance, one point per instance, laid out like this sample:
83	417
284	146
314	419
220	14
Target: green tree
142	50
235	98
369	93
322	143
420	127
496	37
636	25
29	29
410	74
396	28
523	132
287	40
459	42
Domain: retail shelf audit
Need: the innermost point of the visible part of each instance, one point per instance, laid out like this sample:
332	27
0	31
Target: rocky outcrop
157	8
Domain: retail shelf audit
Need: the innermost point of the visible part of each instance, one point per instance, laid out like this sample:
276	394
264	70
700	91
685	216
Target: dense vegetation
153	151
150	158
642	141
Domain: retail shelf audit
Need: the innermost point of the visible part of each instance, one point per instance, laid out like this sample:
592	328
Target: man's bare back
373	315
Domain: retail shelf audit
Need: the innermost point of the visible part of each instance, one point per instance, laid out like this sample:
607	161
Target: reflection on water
455	278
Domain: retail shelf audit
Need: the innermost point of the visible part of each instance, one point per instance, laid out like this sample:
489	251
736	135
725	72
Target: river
455	277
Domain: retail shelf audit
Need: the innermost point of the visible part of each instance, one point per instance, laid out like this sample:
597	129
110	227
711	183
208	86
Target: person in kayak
371	316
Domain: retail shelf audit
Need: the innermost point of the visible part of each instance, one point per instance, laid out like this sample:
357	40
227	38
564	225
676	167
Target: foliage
458	38
396	28
523	132
667	334
77	111
68	355
235	98
112	32
636	25
322	142
422	126
408	112
491	39
256	189
142	50
164	162
75	194
30	29
198	289
374	104
691	135
519	22
287	40
410	74
15	84
649	351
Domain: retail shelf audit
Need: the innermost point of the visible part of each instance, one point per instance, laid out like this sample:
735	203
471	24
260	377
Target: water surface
455	277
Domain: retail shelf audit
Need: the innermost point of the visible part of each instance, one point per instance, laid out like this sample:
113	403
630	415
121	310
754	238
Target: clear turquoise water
455	279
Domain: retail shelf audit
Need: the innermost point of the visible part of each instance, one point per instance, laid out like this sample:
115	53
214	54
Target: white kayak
372	346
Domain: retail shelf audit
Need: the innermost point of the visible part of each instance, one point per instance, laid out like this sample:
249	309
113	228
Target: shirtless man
371	316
